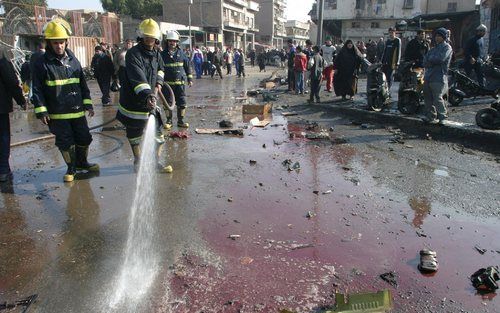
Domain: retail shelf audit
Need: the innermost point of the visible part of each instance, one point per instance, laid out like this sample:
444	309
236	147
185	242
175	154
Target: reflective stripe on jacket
59	87
177	69
143	71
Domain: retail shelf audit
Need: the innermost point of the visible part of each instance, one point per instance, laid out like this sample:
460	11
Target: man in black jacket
61	97
103	69
475	55
142	79
416	49
9	88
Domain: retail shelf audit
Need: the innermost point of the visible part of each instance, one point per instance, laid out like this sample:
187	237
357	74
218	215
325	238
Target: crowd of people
340	65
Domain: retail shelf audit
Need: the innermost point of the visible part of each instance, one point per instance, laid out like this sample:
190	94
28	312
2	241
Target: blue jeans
299	82
4	143
197	68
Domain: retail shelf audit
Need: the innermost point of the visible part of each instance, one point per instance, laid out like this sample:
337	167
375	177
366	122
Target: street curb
484	140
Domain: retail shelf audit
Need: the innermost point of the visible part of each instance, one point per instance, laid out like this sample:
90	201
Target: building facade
271	22
370	19
297	31
226	23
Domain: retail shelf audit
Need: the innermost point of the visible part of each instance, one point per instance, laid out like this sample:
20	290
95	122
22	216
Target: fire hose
168	105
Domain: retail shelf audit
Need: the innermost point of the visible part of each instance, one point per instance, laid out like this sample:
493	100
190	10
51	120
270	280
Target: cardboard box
257	109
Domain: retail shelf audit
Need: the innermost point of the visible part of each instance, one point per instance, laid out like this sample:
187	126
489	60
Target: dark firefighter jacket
177	69
143	71
9	85
59	87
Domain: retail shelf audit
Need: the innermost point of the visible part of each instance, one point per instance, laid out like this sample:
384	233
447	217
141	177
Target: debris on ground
254	92
310	214
179	134
267	96
301	246
258	109
428	261
268	85
255	122
380	301
480	250
312	126
318	136
289	113
391	278
253	162
225	124
291	166
246	260
234	237
327	192
26	303
367	126
485	279
219	131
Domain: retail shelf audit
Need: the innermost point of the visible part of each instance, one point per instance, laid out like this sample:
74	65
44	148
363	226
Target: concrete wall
372	9
442	6
264	18
365	32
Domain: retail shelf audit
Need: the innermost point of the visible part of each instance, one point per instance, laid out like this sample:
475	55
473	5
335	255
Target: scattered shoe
485	279
428	261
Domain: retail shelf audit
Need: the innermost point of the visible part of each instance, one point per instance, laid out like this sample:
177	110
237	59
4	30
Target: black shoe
5	177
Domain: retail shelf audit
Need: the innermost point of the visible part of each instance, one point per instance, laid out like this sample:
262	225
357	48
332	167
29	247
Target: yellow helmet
57	29
149	28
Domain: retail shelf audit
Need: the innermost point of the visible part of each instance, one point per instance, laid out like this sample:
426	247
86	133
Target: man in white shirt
328	52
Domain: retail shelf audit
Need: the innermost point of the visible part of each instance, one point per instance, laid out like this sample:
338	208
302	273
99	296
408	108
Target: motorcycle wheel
408	104
455	99
488	118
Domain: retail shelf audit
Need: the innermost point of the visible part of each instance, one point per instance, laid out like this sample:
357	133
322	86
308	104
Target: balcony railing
242	3
236	23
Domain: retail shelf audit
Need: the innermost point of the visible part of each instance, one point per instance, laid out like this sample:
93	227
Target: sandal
485	279
428	261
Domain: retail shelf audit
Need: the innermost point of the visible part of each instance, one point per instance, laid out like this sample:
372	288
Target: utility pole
321	5
189	20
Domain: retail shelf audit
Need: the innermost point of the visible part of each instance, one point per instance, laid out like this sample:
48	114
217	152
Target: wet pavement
362	204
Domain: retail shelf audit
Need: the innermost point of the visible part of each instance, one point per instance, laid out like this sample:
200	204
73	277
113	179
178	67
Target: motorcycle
411	88
465	87
489	118
377	90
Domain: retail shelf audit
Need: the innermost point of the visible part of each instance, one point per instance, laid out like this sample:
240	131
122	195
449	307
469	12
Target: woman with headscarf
347	65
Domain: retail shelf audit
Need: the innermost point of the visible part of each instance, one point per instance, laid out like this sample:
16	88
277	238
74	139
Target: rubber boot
160	167
70	159
82	163
136	150
168	123
180	118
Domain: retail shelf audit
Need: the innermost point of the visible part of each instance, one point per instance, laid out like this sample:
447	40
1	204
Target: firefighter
177	73
61	97
141	80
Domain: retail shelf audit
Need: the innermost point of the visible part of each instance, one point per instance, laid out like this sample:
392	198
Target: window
331	4
408	4
375	25
381	1
358	4
452	7
356	25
